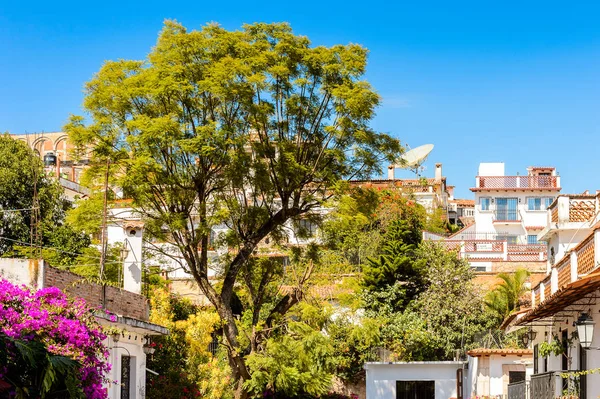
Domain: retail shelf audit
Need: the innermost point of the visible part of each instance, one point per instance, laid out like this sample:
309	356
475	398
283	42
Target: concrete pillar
542	292
563	210
554	281
132	264
596	248
574	274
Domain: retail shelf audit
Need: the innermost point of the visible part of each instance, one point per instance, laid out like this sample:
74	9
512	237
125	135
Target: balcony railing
518	390
506	215
552	385
517	182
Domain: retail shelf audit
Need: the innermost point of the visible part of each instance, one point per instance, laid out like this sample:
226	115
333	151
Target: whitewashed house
489	371
566	304
509	213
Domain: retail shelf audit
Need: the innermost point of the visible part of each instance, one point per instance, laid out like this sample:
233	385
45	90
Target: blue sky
513	82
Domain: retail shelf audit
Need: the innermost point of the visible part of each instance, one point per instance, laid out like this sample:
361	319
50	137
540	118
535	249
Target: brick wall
118	301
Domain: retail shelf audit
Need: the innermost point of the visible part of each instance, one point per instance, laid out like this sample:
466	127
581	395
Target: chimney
438	172
132	264
391	170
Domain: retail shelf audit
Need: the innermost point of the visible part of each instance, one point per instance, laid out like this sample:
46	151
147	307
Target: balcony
528	183
496	248
507	215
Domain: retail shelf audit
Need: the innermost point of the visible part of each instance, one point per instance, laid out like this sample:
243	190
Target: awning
569	295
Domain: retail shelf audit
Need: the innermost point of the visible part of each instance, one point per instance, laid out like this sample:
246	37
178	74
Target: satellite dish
415	157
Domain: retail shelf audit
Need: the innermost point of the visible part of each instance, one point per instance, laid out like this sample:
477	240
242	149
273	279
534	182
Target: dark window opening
415	389
516	376
125	376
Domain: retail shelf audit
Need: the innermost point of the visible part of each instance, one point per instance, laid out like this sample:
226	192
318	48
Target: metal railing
518	390
552	385
504	215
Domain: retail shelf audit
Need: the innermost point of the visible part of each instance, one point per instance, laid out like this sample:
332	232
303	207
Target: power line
18	210
52	248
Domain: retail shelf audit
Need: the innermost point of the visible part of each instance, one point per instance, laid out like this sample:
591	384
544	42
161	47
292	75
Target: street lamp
585	330
528	337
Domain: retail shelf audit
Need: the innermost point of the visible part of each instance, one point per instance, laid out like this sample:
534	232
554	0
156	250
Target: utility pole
104	240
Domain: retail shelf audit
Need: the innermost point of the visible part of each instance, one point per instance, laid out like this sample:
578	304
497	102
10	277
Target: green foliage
22	174
212	113
398	262
187	369
353	342
86	215
447	315
505	297
298	362
37	372
451	306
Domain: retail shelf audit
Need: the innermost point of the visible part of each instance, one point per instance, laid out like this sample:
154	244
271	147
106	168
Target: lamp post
585	330
528	337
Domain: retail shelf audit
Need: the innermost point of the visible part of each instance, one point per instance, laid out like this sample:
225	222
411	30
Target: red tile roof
502	352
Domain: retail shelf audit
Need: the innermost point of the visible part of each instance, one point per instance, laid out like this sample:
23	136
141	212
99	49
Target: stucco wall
381	378
130	345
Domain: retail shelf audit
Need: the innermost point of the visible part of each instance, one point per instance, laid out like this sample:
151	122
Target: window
538	203
506	209
415	389
484	203
532	239
516	376
307	227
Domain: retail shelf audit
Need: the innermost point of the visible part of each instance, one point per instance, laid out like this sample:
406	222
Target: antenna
414	159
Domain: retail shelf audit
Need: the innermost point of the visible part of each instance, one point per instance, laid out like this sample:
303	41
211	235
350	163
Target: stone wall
118	301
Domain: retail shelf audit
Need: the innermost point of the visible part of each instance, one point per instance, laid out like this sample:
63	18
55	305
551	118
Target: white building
406	380
509	213
567	297
490	371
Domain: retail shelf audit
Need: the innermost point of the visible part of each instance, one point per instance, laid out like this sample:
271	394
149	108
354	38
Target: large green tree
32	208
249	128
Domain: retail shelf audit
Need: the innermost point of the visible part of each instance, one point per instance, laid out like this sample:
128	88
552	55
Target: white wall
491	380
484	220
491	169
381	377
127	346
29	272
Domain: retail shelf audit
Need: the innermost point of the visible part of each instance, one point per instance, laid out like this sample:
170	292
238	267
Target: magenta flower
66	327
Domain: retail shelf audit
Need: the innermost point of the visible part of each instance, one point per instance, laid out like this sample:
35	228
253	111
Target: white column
596	248
574	274
554	281
563	209
132	265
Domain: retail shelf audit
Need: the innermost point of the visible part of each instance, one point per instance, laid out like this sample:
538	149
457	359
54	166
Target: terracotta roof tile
502	352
